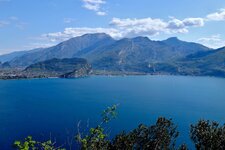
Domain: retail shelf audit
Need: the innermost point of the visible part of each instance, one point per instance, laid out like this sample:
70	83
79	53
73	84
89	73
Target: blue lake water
44	107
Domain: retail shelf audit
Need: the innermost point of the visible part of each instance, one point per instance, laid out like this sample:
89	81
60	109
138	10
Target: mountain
128	52
204	63
67	68
137	54
13	55
103	52
184	48
65	49
5	65
10	56
210	63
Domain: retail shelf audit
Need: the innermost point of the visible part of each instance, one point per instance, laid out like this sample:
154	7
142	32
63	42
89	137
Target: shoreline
110	75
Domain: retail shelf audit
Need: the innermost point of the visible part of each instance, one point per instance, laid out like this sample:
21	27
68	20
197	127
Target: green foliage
208	135
97	137
30	144
26	145
109	114
96	140
162	135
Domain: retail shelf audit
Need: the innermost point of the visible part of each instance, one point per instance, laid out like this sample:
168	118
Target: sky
28	24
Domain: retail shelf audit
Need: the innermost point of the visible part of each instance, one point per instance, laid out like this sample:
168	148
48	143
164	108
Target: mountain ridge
138	54
79	46
64	49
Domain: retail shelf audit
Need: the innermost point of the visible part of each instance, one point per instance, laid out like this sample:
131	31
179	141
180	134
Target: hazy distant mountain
65	49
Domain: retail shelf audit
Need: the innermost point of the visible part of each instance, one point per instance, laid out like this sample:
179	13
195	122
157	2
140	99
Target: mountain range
139	54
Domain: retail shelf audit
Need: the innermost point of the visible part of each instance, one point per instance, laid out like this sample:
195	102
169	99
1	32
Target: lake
47	108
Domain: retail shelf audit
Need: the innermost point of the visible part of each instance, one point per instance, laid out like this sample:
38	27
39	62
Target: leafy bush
208	135
162	135
30	144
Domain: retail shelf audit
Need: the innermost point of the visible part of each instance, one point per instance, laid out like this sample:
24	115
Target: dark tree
162	135
208	135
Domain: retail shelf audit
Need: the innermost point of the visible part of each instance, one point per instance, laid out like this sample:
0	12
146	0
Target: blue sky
27	24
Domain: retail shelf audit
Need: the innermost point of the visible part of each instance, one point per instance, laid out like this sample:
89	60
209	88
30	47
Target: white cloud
194	22
217	16
181	26
95	5
128	28
101	13
150	27
136	22
132	27
176	26
214	41
73	32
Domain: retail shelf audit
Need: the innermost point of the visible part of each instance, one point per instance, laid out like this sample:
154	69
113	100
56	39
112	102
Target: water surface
44	107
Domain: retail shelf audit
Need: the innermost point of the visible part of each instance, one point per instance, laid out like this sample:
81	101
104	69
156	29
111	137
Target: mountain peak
173	39
86	39
90	36
141	38
99	35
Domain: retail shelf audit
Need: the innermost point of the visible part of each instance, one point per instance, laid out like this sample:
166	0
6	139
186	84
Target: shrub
208	135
